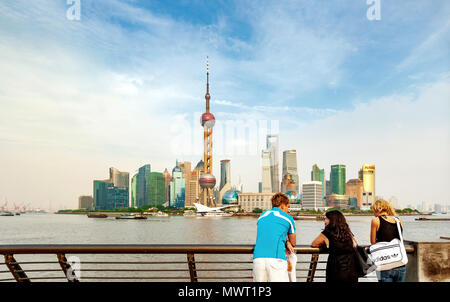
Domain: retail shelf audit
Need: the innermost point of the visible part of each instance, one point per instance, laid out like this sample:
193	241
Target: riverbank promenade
427	261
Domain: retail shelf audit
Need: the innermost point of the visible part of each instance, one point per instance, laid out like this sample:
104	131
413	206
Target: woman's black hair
338	226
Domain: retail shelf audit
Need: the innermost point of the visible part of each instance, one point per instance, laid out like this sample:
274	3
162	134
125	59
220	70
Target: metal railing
102	262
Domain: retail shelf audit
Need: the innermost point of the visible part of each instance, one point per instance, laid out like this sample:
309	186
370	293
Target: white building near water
312	195
250	201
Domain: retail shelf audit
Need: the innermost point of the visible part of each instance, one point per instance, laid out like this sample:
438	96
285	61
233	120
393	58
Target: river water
79	229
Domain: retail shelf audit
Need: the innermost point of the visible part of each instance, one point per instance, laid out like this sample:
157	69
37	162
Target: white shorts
270	270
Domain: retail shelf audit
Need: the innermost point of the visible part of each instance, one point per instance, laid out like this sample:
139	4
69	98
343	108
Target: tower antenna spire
207	180
207	96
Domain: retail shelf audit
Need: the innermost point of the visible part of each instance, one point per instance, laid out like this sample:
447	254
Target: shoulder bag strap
355	243
398	227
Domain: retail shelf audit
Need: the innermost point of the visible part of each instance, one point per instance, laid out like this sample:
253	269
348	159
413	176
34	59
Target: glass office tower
157	189
134	191
177	189
318	174
337	179
109	197
143	190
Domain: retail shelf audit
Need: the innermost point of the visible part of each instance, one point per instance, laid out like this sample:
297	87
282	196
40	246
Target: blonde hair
383	206
279	198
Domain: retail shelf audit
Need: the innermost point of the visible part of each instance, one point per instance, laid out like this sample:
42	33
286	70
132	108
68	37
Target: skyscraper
142	186
177	189
117	198
86	202
288	184
337	178
134	191
328	187
207	180
318	174
119	179
290	167
194	183
312	195
225	178
100	194
266	178
113	192
272	146
187	174
337	200
167	179
354	189
156	189
240	186
224	173
109	197
367	175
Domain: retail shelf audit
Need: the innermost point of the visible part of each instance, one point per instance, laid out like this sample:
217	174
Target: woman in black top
341	264
384	229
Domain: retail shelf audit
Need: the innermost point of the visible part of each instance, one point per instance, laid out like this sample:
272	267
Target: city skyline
425	205
123	87
354	188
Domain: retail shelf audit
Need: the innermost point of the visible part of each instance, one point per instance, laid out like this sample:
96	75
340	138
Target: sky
87	85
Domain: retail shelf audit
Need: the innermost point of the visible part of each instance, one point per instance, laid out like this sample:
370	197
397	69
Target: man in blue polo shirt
275	233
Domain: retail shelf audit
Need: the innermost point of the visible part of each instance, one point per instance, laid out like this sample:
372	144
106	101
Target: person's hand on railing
289	248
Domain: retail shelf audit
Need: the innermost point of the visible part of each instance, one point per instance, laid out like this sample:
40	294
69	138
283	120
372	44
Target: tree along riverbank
180	212
172	212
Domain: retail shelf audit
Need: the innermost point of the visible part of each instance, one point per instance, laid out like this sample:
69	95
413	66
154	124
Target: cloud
288	55
117	87
406	136
271	111
434	47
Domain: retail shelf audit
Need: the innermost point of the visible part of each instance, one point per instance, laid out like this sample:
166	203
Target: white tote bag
389	255
292	262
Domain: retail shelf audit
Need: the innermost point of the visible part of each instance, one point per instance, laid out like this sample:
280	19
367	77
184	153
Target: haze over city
124	86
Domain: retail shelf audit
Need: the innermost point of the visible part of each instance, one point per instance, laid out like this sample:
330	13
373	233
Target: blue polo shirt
273	227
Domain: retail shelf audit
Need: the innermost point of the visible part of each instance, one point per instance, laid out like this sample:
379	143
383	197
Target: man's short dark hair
279	199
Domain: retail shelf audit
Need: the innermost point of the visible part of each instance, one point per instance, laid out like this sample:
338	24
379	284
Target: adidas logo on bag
384	258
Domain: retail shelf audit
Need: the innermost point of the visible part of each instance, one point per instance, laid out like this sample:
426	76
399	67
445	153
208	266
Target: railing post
15	269
192	270
312	267
66	267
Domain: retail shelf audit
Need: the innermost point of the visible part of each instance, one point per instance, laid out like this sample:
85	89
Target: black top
387	231
341	264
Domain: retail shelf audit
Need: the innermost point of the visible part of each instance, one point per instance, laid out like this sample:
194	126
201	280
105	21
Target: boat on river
6	213
432	219
131	216
140	216
311	218
156	214
96	215
126	216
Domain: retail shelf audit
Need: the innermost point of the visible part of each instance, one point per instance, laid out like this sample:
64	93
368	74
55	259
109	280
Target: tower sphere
208	119
207	181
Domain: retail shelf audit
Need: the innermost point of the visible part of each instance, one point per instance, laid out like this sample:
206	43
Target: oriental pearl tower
207	180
